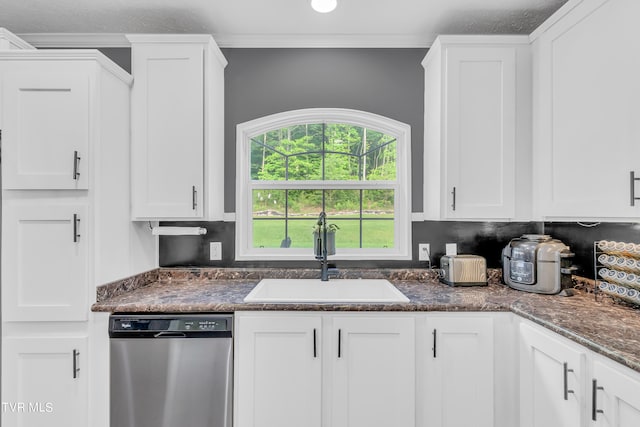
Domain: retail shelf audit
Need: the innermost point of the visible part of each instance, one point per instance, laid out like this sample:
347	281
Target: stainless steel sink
316	291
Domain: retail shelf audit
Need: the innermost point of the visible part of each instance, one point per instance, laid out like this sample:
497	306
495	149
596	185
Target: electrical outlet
424	252
215	251
451	249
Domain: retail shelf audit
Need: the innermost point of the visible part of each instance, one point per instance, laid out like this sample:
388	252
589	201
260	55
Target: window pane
378	202
269	203
380	163
266	164
348	234
341	167
268	233
377	233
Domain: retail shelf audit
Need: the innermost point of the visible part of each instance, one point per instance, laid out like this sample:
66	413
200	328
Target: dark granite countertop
612	330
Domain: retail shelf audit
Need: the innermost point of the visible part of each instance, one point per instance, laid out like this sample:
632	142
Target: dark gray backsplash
581	238
479	238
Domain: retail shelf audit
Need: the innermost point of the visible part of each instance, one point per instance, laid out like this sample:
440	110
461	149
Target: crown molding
397	41
76	40
105	40
68	55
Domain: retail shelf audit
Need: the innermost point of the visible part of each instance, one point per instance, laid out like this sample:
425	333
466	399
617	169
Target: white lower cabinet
459	380
565	384
615	398
320	369
373	365
47	385
278	375
552	373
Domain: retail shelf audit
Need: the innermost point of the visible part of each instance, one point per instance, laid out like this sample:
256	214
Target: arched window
353	165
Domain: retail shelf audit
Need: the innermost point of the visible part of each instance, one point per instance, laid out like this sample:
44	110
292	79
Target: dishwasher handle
170	334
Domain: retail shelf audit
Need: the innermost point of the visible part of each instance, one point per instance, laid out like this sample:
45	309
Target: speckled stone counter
609	329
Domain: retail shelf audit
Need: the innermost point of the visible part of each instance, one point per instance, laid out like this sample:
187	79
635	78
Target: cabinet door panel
588	128
374	372
460	370
618	399
38	381
45	275
46	122
168	131
278	377
480	130
543	380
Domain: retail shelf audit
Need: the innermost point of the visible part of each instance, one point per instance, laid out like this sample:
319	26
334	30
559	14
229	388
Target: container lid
536	237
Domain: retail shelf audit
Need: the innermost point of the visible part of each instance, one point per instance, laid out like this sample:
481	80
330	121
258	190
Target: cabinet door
278	371
587	112
373	371
45	138
44	382
168	131
615	400
551	380
480	132
44	262
459	382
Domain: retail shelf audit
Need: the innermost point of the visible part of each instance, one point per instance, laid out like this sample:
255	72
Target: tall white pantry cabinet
65	209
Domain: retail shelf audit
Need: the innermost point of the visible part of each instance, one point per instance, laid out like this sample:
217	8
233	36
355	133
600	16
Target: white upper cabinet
586	110
477	128
45	126
177	127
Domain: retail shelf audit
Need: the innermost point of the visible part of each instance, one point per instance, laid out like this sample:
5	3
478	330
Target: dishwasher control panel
141	326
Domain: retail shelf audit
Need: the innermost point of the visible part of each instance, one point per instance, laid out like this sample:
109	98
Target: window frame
244	250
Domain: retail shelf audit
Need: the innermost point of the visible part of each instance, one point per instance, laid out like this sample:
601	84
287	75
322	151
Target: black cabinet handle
76	235
453	193
632	187
594	400
76	369
435	343
339	343
315	345
76	166
194	198
566	381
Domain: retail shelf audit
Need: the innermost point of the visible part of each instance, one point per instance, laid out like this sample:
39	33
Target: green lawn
377	233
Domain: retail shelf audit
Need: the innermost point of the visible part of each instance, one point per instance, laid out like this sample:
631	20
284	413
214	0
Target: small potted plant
331	239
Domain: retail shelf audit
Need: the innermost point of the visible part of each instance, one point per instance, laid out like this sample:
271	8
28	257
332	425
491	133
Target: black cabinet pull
76	166
435	343
453	193
194	198
76	369
76	235
315	345
632	187
566	380
594	400
339	343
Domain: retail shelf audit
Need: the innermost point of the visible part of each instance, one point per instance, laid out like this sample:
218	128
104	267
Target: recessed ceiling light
324	6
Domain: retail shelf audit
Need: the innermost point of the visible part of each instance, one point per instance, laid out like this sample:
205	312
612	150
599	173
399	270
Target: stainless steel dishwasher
171	370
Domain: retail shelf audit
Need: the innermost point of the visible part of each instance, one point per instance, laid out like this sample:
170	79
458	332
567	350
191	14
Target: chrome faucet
321	247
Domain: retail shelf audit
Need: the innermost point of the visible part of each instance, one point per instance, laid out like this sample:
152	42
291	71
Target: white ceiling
280	22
